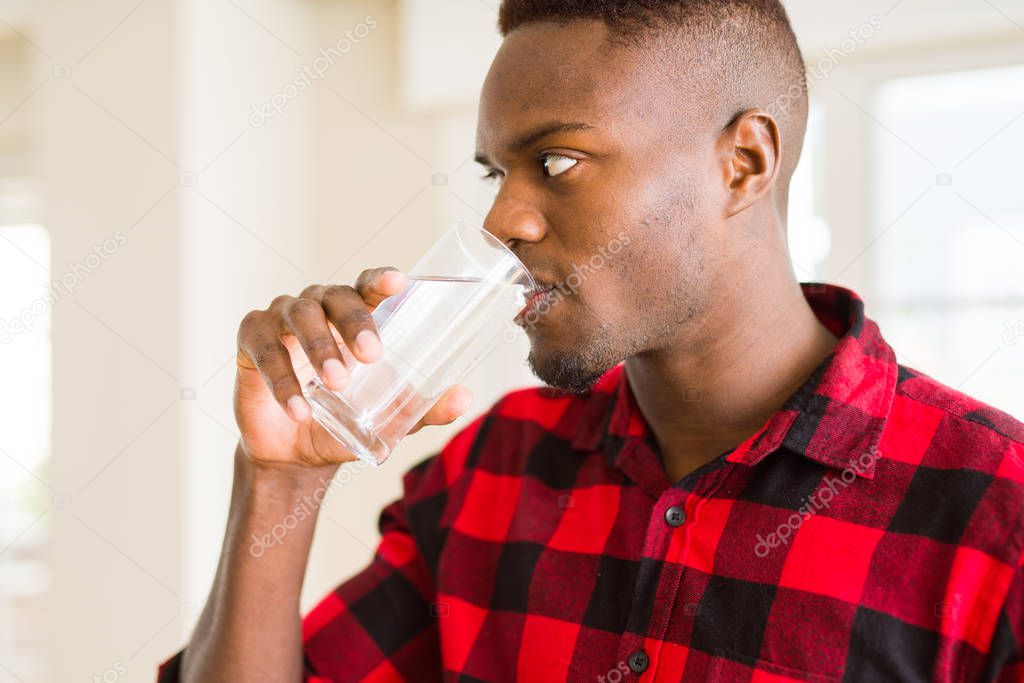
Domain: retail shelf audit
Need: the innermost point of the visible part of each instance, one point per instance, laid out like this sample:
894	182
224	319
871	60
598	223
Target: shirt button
675	516
638	661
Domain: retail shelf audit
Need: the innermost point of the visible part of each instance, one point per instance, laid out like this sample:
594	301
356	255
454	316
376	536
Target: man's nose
514	219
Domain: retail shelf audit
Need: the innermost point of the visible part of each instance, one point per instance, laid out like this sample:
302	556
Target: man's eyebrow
530	137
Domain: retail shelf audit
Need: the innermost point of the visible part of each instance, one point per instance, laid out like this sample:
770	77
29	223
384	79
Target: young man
730	478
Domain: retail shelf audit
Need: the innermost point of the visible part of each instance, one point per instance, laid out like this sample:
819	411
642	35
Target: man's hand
283	458
320	332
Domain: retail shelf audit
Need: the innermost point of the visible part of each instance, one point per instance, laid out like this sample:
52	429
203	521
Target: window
25	498
949	224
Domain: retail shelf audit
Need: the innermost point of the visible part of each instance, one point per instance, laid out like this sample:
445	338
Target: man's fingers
377	284
260	347
269	340
453	404
307	321
347	310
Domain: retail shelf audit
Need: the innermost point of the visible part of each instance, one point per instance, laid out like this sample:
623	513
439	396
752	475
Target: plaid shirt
870	531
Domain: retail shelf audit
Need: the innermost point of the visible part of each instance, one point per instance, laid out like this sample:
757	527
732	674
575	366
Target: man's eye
557	164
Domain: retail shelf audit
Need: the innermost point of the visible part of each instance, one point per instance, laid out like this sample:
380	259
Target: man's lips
540	290
534	297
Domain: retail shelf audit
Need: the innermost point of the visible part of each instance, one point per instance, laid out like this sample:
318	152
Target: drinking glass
447	319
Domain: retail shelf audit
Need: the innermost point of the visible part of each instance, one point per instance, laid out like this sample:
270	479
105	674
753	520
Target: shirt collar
835	418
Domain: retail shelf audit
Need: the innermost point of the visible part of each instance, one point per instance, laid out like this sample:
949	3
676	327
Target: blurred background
168	165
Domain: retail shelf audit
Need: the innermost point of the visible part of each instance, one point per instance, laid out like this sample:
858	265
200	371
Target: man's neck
709	393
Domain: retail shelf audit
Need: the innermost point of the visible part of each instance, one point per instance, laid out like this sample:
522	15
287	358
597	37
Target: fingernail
367	344
461	402
298	408
396	279
334	373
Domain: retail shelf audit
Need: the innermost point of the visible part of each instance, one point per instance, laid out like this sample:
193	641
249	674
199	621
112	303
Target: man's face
618	209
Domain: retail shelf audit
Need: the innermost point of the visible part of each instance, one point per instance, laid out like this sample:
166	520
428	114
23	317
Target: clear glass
447	320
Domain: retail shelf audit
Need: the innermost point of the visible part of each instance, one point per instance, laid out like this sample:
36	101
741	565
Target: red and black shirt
869	531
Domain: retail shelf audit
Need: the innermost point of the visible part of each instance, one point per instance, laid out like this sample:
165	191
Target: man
731	479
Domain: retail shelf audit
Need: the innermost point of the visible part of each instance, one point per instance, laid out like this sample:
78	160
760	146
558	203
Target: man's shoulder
517	427
542	406
922	403
960	460
527	431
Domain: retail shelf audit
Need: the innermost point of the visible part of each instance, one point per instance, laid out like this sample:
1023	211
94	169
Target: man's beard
574	371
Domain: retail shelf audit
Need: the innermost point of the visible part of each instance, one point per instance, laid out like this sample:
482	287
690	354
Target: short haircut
745	49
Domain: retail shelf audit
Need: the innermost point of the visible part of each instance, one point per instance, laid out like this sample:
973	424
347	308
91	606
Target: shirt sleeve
381	625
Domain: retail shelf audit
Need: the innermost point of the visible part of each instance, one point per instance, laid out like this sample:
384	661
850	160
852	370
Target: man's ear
750	151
